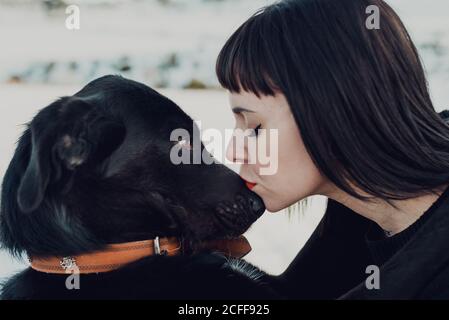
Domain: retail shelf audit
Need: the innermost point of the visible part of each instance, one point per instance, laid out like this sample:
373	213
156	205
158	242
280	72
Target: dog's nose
256	204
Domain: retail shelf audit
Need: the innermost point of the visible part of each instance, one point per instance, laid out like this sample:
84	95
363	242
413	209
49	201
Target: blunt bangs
246	60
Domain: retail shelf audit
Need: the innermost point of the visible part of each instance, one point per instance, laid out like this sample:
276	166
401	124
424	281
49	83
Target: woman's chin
277	202
274	207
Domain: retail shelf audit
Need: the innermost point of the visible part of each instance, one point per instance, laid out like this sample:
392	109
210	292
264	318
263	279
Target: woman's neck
392	220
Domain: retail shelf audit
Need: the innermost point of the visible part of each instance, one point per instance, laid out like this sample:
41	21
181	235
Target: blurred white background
172	45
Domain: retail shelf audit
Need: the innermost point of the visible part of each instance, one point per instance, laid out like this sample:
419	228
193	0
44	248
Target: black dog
94	169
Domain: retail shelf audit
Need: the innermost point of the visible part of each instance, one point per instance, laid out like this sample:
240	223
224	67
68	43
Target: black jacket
332	264
420	269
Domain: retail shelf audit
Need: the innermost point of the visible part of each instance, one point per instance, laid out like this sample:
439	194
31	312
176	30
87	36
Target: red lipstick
250	185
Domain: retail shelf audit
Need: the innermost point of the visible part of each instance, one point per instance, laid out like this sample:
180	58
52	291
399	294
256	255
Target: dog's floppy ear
73	135
34	181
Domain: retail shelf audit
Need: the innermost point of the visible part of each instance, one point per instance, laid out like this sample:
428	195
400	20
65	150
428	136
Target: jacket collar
414	266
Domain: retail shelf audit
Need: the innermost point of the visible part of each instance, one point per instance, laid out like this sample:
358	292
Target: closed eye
255	131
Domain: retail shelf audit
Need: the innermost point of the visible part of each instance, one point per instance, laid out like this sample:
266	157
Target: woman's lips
250	185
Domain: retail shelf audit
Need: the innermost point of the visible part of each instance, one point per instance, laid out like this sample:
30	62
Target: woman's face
295	176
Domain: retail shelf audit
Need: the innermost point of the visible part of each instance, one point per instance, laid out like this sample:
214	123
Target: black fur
93	169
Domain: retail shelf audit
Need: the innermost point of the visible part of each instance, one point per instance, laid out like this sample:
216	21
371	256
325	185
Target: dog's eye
184	143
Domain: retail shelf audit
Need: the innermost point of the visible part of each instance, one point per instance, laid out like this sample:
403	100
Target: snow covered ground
166	43
163	43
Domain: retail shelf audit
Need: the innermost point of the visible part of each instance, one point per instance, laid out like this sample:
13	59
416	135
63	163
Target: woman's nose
235	151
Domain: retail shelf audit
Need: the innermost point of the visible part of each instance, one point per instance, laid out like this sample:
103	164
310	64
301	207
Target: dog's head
95	168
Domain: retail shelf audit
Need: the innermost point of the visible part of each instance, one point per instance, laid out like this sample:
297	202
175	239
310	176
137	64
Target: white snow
166	45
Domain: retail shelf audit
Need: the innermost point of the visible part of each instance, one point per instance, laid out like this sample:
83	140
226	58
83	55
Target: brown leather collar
115	256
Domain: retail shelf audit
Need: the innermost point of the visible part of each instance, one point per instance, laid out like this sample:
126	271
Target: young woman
355	123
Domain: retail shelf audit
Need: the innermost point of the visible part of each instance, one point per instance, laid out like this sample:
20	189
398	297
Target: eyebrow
238	110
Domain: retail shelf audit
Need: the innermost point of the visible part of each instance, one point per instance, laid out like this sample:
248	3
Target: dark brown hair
359	96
